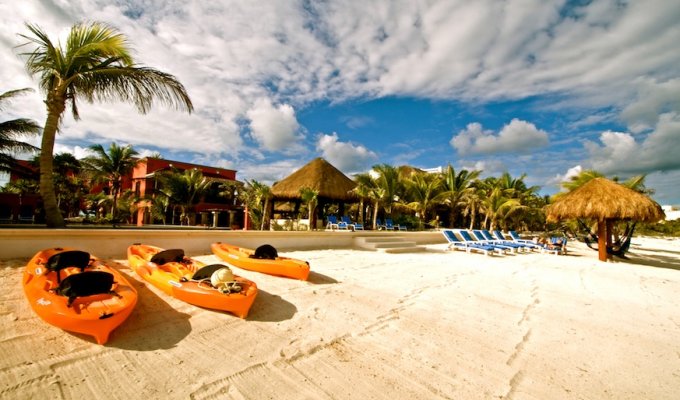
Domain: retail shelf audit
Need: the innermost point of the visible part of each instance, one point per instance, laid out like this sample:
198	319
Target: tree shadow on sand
154	324
649	260
270	308
320	279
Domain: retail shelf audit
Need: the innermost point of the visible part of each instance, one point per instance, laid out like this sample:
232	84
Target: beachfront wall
113	243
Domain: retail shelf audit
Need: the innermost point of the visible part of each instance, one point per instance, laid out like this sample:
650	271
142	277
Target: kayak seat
206	272
71	258
266	251
167	256
85	284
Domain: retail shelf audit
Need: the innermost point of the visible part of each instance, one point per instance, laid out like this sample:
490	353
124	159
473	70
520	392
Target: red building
211	210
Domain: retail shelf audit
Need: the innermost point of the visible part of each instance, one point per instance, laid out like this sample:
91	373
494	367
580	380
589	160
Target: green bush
664	228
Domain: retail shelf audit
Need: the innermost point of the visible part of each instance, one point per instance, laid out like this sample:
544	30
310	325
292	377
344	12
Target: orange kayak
245	258
189	280
76	292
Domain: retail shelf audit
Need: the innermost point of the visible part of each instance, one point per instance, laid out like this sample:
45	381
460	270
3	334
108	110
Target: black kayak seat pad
86	283
70	258
167	256
266	251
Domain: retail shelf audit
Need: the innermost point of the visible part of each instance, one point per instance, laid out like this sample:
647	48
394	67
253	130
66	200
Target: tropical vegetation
95	64
13	131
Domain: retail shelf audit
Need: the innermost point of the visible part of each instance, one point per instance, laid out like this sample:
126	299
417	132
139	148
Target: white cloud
77	151
620	153
616	56
517	136
558	179
275	128
345	156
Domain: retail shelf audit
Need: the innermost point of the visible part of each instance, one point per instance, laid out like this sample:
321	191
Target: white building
672	212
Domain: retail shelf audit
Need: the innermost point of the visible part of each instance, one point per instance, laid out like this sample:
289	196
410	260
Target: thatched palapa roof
318	175
602	199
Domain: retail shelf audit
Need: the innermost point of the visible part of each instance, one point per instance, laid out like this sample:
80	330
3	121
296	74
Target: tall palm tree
95	64
456	186
185	189
367	188
256	195
310	197
110	167
388	186
498	203
579	180
422	189
473	201
11	131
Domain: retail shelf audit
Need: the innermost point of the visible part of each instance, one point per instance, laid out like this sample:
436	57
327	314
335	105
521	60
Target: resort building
212	210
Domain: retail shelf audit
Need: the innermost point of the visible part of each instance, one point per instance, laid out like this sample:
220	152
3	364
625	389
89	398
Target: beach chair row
495	242
346	223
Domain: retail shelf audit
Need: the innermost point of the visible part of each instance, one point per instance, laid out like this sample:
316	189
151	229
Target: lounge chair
355	226
528	244
454	243
467	238
504	242
545	249
332	222
385	226
390	225
478	235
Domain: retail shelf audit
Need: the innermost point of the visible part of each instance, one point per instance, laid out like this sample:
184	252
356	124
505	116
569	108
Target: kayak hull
95	315
173	278
280	266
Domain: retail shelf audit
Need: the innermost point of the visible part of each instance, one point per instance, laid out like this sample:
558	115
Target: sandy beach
371	325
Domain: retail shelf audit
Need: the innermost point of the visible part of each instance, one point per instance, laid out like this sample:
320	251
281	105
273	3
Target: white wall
113	243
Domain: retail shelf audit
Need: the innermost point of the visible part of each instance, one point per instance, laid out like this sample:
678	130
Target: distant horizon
548	88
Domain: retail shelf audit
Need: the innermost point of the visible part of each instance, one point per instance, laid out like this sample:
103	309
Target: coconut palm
310	197
456	186
367	189
11	131
256	195
388	186
473	201
185	189
94	64
422	188
110	168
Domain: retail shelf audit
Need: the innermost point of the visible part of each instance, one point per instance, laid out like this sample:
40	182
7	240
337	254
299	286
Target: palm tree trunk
53	217
375	215
265	211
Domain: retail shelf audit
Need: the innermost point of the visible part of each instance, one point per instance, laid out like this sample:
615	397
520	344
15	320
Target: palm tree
456	186
12	130
388	186
366	189
185	189
422	189
579	180
310	197
95	64
497	202
473	201
110	167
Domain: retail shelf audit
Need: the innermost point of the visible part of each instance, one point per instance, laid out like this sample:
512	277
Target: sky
537	87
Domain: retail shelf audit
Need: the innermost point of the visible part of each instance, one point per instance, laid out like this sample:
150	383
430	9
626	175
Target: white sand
378	326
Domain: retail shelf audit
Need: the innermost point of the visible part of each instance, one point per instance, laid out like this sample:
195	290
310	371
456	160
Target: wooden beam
602	240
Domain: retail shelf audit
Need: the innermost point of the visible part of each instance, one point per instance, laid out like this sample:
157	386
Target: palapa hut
605	201
332	185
